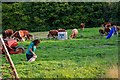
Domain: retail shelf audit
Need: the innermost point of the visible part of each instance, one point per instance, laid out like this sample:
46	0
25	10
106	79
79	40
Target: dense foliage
42	16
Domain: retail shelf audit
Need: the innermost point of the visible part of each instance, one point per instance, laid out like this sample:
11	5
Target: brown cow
53	33
74	33
107	25
104	31
106	28
22	35
7	33
82	25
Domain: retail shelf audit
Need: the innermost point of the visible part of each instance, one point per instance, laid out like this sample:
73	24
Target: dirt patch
40	35
112	72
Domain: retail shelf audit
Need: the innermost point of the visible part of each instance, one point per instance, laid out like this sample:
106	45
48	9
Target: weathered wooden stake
9	59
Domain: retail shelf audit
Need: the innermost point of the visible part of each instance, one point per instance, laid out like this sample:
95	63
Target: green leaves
54	15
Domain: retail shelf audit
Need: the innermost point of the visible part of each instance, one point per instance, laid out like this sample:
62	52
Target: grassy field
89	56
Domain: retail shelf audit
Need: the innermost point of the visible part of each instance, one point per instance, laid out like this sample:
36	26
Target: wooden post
0	60
9	59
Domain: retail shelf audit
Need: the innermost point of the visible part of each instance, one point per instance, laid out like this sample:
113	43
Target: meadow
87	56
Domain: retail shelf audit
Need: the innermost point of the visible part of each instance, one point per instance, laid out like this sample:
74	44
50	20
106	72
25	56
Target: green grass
89	56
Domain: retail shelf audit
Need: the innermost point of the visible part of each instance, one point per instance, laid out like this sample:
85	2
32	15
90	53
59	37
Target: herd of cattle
54	33
23	35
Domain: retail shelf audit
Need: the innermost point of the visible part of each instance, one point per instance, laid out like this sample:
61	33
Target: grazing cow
52	33
82	25
22	35
7	33
106	28
74	33
104	31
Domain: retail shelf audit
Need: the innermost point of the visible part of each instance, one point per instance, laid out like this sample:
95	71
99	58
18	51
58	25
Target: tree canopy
43	16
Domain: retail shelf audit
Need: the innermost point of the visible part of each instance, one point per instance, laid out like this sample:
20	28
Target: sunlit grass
90	56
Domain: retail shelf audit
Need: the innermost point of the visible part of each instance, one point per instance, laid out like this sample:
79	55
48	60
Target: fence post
9	59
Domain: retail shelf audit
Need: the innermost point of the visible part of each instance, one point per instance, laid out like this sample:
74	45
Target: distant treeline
43	16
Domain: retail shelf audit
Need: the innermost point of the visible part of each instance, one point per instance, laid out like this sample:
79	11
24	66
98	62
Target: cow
74	33
25	35
7	33
107	25
82	25
22	35
106	28
52	33
104	31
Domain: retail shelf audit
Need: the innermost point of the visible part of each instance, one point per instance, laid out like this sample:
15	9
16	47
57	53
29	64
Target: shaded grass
89	56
